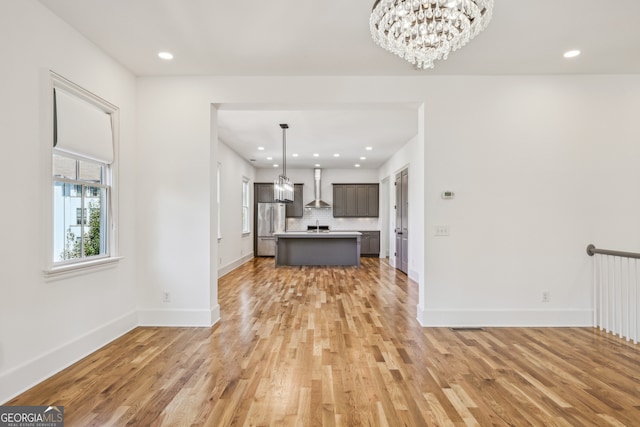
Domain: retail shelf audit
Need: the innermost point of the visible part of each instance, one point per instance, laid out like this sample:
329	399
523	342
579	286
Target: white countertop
314	234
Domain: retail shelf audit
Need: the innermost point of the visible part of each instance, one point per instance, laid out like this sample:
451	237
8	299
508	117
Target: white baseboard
505	318
233	265
32	372
179	318
414	275
420	315
215	314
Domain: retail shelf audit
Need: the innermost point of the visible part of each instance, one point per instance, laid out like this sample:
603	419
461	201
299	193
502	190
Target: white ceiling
331	37
321	130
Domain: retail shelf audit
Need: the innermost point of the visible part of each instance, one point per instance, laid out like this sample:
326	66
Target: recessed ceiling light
275	166
260	148
317	165
336	155
571	53
368	148
295	154
357	165
363	158
269	158
165	55
316	155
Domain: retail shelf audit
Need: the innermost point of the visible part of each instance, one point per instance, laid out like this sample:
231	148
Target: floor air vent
466	329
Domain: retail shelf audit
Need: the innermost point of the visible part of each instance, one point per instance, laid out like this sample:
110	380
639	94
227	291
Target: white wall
176	207
234	247
47	325
519	153
541	167
411	157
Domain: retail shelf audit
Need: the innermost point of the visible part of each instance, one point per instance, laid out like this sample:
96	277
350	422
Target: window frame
219	200
54	270
246	206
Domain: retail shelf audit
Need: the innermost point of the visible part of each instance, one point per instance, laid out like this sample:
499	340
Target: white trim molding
80	268
179	318
505	318
414	275
234	264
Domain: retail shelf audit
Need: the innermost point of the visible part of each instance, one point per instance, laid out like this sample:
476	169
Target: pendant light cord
284	149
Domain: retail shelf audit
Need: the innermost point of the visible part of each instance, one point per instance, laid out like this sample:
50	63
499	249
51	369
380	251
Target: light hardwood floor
341	346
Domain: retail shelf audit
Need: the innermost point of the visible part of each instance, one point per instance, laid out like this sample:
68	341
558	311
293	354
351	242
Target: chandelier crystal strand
422	31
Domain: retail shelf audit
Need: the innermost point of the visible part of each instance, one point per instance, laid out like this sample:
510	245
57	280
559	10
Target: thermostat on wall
448	195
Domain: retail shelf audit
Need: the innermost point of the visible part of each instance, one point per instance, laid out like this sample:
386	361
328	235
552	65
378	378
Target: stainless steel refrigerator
271	219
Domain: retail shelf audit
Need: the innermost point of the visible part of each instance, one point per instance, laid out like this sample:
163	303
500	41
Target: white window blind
82	128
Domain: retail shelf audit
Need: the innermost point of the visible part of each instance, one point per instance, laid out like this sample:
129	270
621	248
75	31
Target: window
79	216
80	219
245	206
82	177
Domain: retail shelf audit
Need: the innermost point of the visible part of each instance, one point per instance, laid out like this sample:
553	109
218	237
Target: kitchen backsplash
325	217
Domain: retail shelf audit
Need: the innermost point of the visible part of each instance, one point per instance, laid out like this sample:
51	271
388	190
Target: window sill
246	233
80	268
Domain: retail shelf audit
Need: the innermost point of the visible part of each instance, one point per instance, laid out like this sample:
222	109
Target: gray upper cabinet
373	199
264	193
355	200
362	200
339	204
296	209
351	208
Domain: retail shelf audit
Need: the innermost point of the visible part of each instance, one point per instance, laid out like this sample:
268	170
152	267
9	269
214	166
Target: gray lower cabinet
370	243
355	200
302	248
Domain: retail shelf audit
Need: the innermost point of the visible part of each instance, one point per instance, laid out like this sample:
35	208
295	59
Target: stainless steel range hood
317	202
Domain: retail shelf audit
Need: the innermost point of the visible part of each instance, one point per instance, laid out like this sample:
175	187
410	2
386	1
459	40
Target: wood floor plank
318	346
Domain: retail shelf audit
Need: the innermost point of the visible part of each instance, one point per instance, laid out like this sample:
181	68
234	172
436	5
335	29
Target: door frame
397	263
385	209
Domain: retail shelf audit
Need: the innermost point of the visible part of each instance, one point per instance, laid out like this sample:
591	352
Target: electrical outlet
166	297
442	230
546	296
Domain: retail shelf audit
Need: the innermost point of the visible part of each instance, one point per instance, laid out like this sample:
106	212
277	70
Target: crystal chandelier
282	186
422	31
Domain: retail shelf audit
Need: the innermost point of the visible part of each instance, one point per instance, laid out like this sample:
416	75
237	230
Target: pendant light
282	186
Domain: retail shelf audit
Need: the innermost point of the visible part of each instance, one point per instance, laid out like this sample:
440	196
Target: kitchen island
333	248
